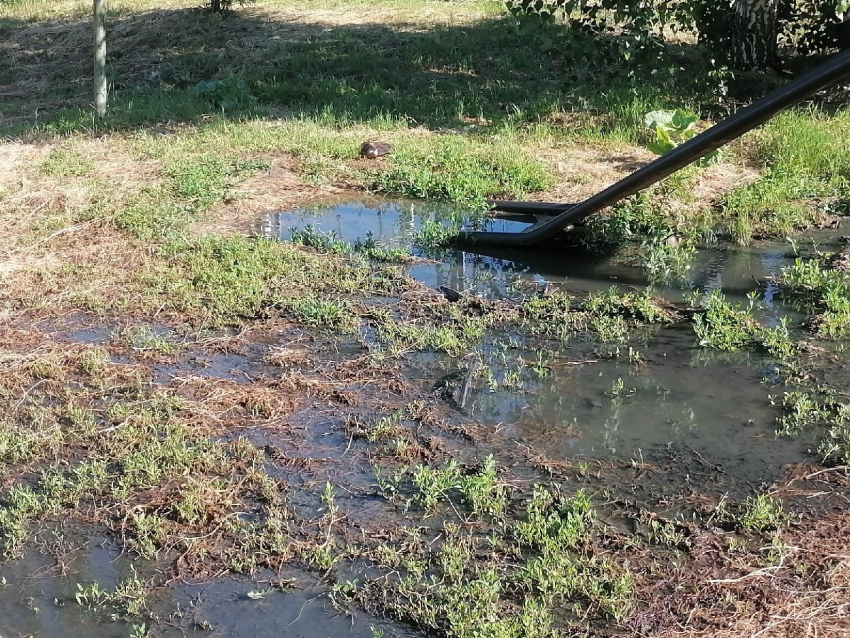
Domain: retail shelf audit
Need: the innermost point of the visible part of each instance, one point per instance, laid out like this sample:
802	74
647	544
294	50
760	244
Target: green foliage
807	156
201	181
93	360
553	519
382	429
712	21
822	289
221	279
323	313
761	513
758	514
483	492
91	596
460	170
801	411
806	411
433	485
66	162
479	490
640	306
729	327
434	236
327	242
671	128
454	334
558	528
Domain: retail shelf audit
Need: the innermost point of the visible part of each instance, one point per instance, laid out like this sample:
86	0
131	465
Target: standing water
714	405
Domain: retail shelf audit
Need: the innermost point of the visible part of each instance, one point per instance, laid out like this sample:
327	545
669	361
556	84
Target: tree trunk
100	86
755	33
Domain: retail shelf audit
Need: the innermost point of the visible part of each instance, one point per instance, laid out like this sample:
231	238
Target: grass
821	289
552	542
759	514
222	280
611	316
368	247
805	159
139	218
821	412
461	171
66	163
731	327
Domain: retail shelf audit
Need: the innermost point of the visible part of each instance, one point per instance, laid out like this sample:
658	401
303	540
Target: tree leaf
683	121
656	119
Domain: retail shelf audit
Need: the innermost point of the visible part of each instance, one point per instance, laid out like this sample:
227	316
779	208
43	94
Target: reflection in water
604	408
495	272
39	599
716	405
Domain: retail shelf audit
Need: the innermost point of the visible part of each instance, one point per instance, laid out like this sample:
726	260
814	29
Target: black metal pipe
528	208
828	73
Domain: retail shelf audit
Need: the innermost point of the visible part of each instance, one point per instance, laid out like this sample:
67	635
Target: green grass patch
821	289
731	327
224	280
460	170
65	162
807	155
805	412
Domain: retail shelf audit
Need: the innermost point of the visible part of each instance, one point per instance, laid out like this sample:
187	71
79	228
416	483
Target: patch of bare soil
804	593
585	170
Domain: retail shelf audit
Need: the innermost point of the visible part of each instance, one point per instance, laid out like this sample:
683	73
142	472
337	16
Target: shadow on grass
483	74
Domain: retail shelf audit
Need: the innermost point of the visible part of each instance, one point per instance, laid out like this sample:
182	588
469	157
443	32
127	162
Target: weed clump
807	411
328	243
825	289
428	487
759	514
729	327
222	280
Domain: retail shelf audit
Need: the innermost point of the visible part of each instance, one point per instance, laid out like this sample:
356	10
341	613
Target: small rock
673	240
373	150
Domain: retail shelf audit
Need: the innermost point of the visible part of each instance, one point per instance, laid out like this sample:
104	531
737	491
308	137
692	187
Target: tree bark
100	84
755	34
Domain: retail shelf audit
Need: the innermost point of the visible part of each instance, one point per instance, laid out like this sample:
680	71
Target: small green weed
91	596
759	513
434	236
728	327
483	492
672	128
823	289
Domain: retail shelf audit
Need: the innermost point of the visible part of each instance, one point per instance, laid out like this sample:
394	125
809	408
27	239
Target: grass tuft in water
731	327
825	289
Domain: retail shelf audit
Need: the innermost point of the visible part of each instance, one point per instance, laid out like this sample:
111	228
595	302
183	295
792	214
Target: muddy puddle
61	591
574	402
